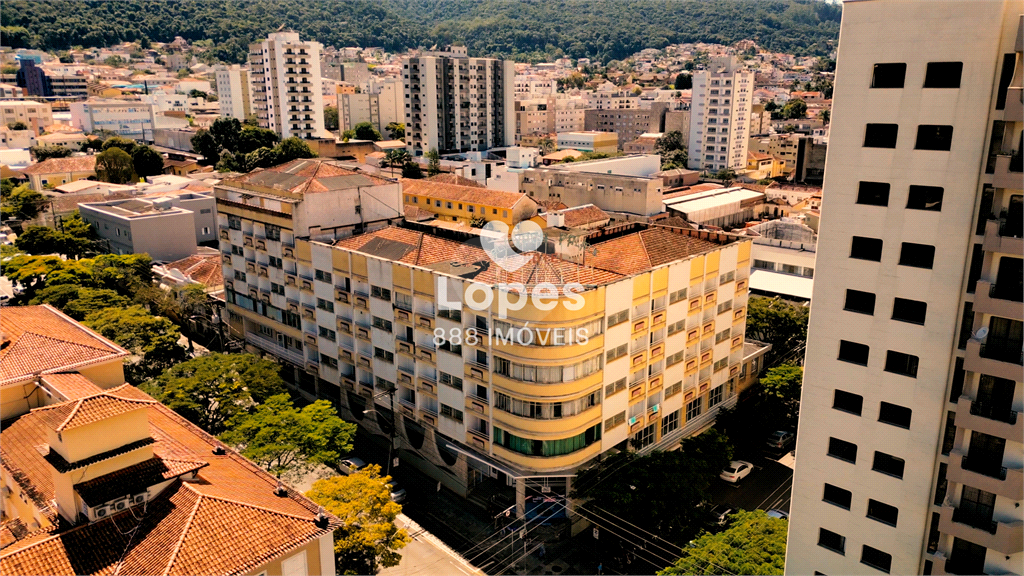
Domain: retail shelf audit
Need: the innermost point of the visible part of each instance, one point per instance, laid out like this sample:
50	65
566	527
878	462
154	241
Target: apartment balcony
998	421
1014	109
1003	537
1004	235
1008	482
999	359
1008	172
989	298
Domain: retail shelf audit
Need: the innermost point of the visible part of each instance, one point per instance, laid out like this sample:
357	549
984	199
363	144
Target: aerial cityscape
487	287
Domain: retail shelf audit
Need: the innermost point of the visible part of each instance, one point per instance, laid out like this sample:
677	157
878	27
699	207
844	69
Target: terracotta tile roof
11	531
449	178
134	479
466	194
227	521
205	269
695	189
417	214
552	205
583	215
42	339
759	156
640	251
59	165
71	386
88	410
307	176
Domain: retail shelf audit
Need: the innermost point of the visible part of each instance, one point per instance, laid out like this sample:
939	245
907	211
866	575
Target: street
427	555
768	487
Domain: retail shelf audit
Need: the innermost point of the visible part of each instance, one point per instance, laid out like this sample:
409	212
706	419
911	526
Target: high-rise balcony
980	528
984	417
984	475
995	358
1014	110
1006	302
1008	172
1004	235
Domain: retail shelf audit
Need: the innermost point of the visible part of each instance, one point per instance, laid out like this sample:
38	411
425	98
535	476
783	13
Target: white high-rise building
233	93
720	115
454	103
909	452
286	85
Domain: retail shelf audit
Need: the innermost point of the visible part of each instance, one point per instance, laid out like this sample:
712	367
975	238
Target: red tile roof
583	215
88	410
205	269
467	194
60	165
449	178
71	386
43	340
640	251
307	176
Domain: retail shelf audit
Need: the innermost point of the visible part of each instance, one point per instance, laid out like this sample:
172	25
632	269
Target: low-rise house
151	226
53	172
93	187
71	140
467	203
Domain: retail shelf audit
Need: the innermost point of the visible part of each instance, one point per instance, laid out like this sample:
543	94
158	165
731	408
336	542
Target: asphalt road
768	487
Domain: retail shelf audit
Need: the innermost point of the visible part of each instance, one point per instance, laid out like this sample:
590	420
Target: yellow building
53	172
464	204
409	333
100	478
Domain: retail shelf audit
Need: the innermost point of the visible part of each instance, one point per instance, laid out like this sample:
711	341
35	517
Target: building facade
35	115
286	89
233	91
152	226
625	184
909	448
454	103
130	119
628	123
607	142
720	116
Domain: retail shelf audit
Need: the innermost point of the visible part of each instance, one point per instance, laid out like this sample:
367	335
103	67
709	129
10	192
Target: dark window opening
925	198
889	75
917	255
873	193
848	402
949	436
882	512
860	302
876	558
974	273
1005	77
881	135
888	464
900	363
894	414
934	137
943	74
912	311
842	450
832	541
837	496
956	388
853	352
941	484
933	535
863	248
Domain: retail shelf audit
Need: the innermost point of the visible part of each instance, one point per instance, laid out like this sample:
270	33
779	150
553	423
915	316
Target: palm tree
396	157
546	145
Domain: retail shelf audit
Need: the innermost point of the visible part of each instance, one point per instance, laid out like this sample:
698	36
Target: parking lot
768	487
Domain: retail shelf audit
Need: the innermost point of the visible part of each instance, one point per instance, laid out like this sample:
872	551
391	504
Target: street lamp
391	439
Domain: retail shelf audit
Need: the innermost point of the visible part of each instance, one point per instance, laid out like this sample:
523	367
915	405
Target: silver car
351	466
397	492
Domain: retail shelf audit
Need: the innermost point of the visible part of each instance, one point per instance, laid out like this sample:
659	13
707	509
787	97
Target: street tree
781	386
753	544
396	158
412	170
433	162
126	144
38	240
47	151
396	130
282	438
22	203
330	117
211	390
226	131
204	143
369	539
795	108
89	300
114	165
152	340
683	82
366	131
779	323
147	161
291	149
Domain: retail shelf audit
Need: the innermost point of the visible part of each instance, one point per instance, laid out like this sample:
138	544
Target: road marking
781	487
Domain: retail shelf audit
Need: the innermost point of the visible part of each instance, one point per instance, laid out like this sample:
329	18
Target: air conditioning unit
120	505
101	511
140	498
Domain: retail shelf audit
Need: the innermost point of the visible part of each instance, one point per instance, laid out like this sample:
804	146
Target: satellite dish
981	333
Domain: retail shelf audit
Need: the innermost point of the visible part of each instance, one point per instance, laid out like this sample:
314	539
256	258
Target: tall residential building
910	456
233	91
454	103
371	322
286	88
720	115
628	123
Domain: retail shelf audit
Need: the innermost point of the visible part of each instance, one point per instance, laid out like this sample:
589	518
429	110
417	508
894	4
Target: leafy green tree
253	138
725	174
90	300
19	125
30	271
433	162
779	323
770	106
22	203
826	116
282	438
228	162
396	157
152	340
197	93
226	131
92	145
546	144
6	187
260	158
396	130
369	539
674	159
366	131
753	544
794	108
292	148
114	165
781	385
789	128
38	240
203	142
79	238
412	170
147	161
211	390
331	117
47	151
126	144
115	62
348	135
683	82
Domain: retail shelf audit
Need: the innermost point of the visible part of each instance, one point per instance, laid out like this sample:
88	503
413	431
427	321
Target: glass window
837	496
881	135
848	402
873	194
888	464
853	352
860	302
832	541
943	74
890	75
900	363
842	450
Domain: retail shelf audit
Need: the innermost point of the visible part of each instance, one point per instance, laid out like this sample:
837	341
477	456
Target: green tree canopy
753	544
412	170
204	143
22	203
331	117
826	116
211	390
683	82
147	161
781	385
89	300
253	138
47	151
770	106
114	165
226	131
369	539
795	108
282	438
433	162
366	131
779	323
126	144
396	130
153	340
292	148
546	144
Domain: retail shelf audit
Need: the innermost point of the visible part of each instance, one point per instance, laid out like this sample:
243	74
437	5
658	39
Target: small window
881	135
943	74
895	415
889	75
934	137
863	248
842	450
900	363
848	402
860	302
917	255
925	198
888	464
876	558
853	352
911	311
873	194
832	541
837	496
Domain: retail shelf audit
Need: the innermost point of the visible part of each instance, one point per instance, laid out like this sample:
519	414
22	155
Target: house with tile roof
457	203
103	479
53	172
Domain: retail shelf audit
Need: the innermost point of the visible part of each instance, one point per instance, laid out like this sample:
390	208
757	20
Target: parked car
781	439
351	466
778	514
720	513
397	492
736	471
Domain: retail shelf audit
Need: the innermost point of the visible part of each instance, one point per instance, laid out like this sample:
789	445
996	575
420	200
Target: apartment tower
286	86
454	103
720	116
233	91
909	454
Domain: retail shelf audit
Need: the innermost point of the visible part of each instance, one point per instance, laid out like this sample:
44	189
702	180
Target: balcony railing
1005	291
998	413
1004	351
955	566
984	466
980	519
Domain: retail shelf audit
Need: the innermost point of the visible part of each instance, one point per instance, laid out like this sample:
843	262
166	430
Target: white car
397	492
351	466
736	471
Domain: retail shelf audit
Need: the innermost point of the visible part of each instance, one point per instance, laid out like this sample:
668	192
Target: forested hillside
519	29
